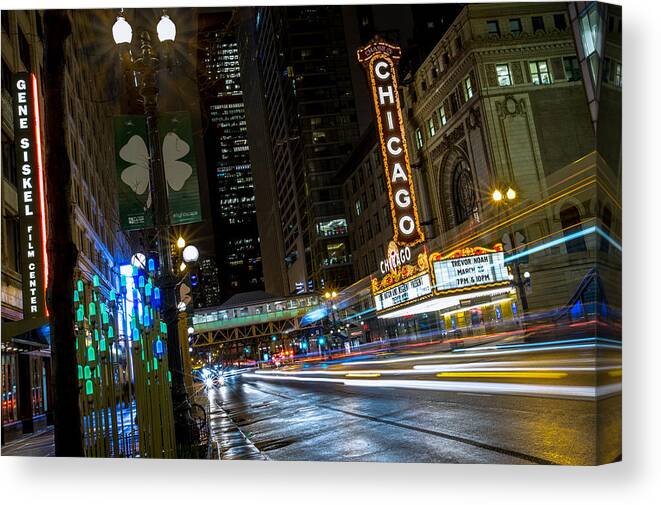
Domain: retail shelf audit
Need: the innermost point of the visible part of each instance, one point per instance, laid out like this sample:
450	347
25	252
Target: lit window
539	72
442	115
359	207
618	75
431	127
418	138
468	89
503	74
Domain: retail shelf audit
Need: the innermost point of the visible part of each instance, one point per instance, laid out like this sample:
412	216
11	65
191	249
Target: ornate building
500	104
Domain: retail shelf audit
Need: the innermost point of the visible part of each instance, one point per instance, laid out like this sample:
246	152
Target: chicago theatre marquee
467	287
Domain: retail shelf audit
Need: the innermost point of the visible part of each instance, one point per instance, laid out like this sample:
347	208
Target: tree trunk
62	252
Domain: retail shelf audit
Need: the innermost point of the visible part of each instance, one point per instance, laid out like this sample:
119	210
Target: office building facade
232	191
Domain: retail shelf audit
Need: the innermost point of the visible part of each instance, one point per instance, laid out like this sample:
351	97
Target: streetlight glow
138	260
191	254
181	243
182	267
166	29
122	31
511	194
497	195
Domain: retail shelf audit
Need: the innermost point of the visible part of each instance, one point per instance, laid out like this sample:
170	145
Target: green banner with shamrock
180	167
132	165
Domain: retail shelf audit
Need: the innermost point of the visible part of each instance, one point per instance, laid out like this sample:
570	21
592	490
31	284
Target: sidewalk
40	444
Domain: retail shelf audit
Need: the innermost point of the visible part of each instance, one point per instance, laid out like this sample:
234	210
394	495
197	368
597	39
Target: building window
463	193
9	160
503	74
377	224
442	115
12	244
606	70
570	220
6	77
560	22
9	380
493	28
537	23
591	30
24	50
515	26
468	89
539	72
5	21
572	70
418	138
617	80
606	220
431	127
359	207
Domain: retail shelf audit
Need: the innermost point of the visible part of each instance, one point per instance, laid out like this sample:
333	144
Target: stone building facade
499	104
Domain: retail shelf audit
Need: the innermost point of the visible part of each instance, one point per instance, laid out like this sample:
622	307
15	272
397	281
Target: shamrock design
136	176
176	172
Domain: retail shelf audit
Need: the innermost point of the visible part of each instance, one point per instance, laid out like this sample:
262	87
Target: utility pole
62	252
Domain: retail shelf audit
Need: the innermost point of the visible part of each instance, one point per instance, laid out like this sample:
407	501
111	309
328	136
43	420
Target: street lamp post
145	68
507	198
330	305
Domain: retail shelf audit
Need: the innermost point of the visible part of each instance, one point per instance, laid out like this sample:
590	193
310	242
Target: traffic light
321	340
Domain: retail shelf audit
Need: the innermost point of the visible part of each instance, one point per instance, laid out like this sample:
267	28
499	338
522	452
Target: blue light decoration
158	348
156	302
321	340
274	338
151	265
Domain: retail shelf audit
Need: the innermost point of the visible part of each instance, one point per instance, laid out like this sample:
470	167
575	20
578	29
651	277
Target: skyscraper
227	152
307	111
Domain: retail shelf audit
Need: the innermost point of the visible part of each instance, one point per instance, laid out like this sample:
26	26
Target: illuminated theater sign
27	138
380	60
469	269
403	283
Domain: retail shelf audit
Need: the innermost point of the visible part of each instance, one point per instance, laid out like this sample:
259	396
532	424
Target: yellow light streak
615	373
505	375
581	185
363	375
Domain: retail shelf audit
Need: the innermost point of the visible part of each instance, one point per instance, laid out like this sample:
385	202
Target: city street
311	420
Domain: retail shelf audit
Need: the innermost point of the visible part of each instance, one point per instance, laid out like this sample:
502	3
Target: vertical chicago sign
27	138
380	60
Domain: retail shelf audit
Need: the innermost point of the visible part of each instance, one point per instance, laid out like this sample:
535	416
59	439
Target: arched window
570	219
463	193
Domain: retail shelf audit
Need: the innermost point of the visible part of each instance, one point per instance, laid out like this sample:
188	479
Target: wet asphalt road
331	422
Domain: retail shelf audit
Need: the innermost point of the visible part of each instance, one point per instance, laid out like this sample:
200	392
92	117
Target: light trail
504	375
554	391
465	354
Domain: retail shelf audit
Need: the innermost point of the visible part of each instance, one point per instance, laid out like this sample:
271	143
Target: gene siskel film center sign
32	211
380	60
